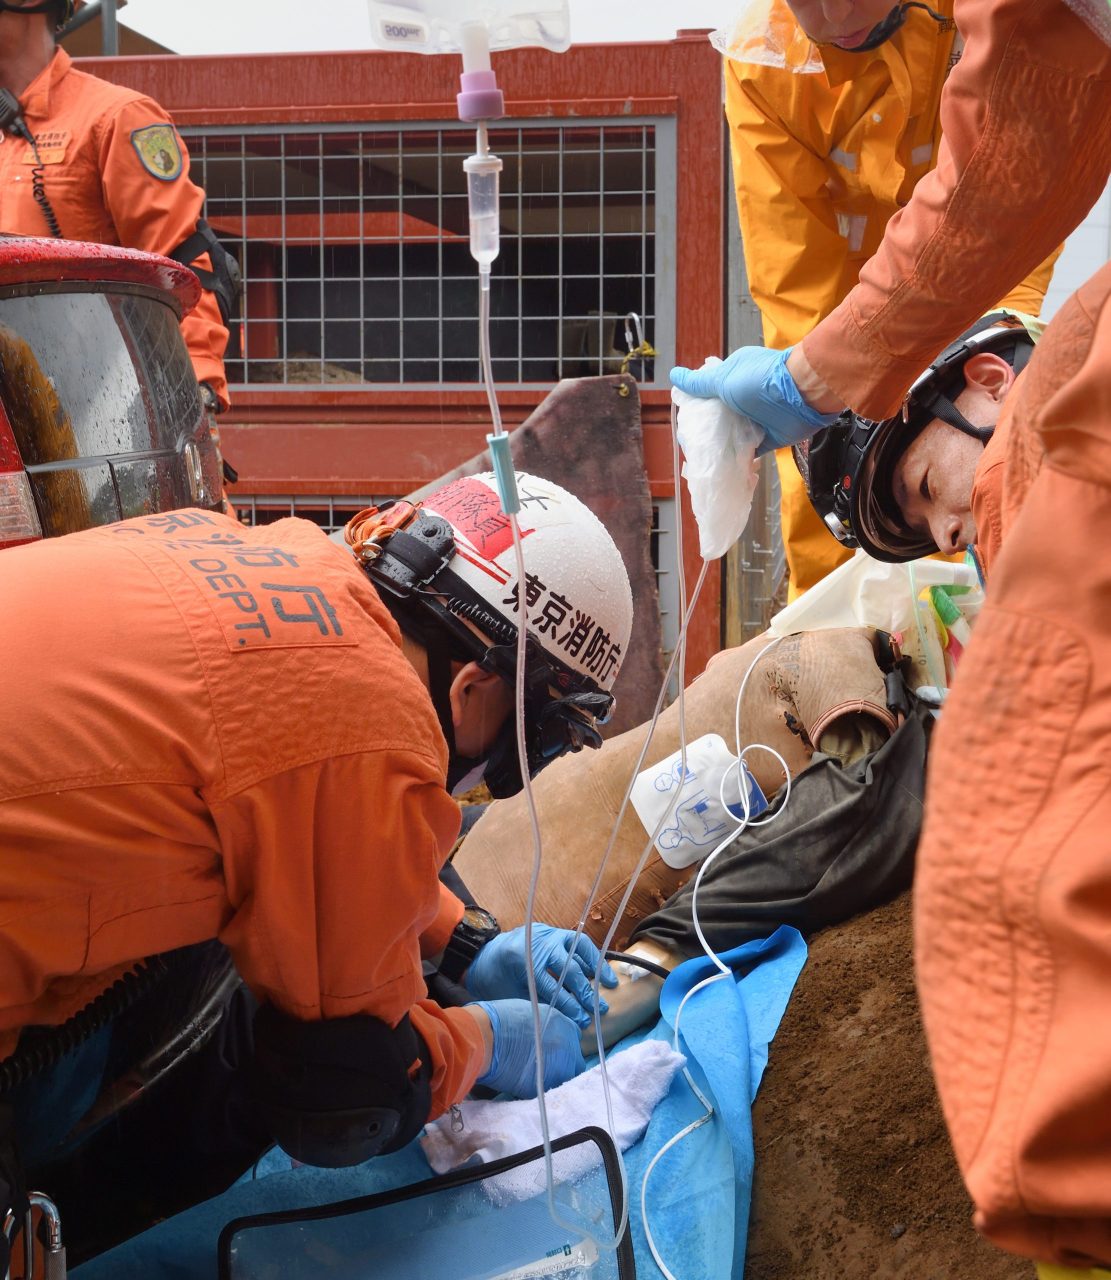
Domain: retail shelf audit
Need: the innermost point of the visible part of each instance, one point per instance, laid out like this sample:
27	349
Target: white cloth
639	1080
719	466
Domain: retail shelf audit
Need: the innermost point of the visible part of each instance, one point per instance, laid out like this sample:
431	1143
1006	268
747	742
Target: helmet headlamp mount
407	553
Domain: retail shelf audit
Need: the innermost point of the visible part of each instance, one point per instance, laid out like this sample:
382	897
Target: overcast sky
263	26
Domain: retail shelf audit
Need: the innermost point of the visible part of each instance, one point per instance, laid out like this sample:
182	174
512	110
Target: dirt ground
855	1177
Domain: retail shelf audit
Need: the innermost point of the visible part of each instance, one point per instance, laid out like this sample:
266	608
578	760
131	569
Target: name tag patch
52	145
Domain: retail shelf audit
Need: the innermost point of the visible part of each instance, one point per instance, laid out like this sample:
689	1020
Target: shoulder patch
159	151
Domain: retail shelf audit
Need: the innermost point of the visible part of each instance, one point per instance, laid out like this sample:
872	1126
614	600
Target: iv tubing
498	443
678	655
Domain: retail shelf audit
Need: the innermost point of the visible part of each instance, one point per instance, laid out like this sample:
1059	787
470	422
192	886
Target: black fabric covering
845	844
189	1137
13	1191
340	1091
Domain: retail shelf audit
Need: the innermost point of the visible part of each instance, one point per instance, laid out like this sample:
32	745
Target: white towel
639	1080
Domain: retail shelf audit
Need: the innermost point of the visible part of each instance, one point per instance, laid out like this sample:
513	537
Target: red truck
100	415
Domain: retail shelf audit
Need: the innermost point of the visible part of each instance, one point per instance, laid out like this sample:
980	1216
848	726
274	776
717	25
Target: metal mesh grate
330	513
354	248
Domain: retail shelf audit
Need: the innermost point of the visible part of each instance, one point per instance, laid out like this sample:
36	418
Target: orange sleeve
436	937
1026	116
331	872
158	214
796	261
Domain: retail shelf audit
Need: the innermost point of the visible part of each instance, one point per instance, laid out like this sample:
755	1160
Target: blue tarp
698	1194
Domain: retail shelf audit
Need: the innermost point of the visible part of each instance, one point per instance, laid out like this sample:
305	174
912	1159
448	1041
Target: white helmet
448	561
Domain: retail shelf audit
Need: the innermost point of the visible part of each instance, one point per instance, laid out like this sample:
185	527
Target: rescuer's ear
990	374
480	702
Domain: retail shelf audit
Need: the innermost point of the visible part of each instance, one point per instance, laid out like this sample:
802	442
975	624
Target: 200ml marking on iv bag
407	32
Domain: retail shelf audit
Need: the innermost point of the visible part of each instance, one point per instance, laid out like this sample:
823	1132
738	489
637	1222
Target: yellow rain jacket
822	159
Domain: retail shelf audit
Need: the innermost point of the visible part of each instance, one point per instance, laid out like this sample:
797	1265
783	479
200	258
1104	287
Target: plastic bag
767	33
719	466
864	592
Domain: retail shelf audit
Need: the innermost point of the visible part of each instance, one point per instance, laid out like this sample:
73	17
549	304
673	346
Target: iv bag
434	26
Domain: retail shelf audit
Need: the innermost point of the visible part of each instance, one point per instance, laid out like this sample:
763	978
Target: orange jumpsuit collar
36	97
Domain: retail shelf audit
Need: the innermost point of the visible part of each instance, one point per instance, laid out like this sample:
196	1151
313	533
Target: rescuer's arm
797	262
331	872
1026	149
154	206
1029	296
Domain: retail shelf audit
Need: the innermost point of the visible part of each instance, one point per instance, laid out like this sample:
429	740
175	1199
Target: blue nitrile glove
498	971
754	382
513	1062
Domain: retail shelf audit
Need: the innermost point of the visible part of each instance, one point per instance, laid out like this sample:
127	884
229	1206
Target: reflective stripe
846	159
922	154
852	227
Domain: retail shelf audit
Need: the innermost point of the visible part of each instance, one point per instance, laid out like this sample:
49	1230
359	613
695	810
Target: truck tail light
19	521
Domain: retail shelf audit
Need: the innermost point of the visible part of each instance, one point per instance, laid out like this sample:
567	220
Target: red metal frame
30	259
315	440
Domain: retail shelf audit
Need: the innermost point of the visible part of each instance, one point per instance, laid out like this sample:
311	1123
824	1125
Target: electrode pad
698	820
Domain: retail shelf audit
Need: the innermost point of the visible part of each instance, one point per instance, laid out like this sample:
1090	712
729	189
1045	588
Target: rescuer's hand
513	1062
756	383
499	972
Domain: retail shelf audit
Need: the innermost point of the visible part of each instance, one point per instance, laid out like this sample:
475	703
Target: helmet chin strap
883	31
439	689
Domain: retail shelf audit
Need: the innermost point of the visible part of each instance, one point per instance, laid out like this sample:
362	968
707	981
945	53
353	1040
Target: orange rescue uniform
821	162
115	172
1013	889
1026	150
213	733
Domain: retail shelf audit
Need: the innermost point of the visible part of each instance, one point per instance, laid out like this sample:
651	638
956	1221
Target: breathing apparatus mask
849	467
409	553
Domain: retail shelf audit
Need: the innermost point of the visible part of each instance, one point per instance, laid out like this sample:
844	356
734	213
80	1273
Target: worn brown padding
586	436
578	797
835	683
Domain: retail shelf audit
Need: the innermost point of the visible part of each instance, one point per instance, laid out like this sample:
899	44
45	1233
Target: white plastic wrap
719	466
864	592
767	33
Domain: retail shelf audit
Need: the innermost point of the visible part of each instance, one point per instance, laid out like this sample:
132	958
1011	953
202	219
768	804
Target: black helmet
849	467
